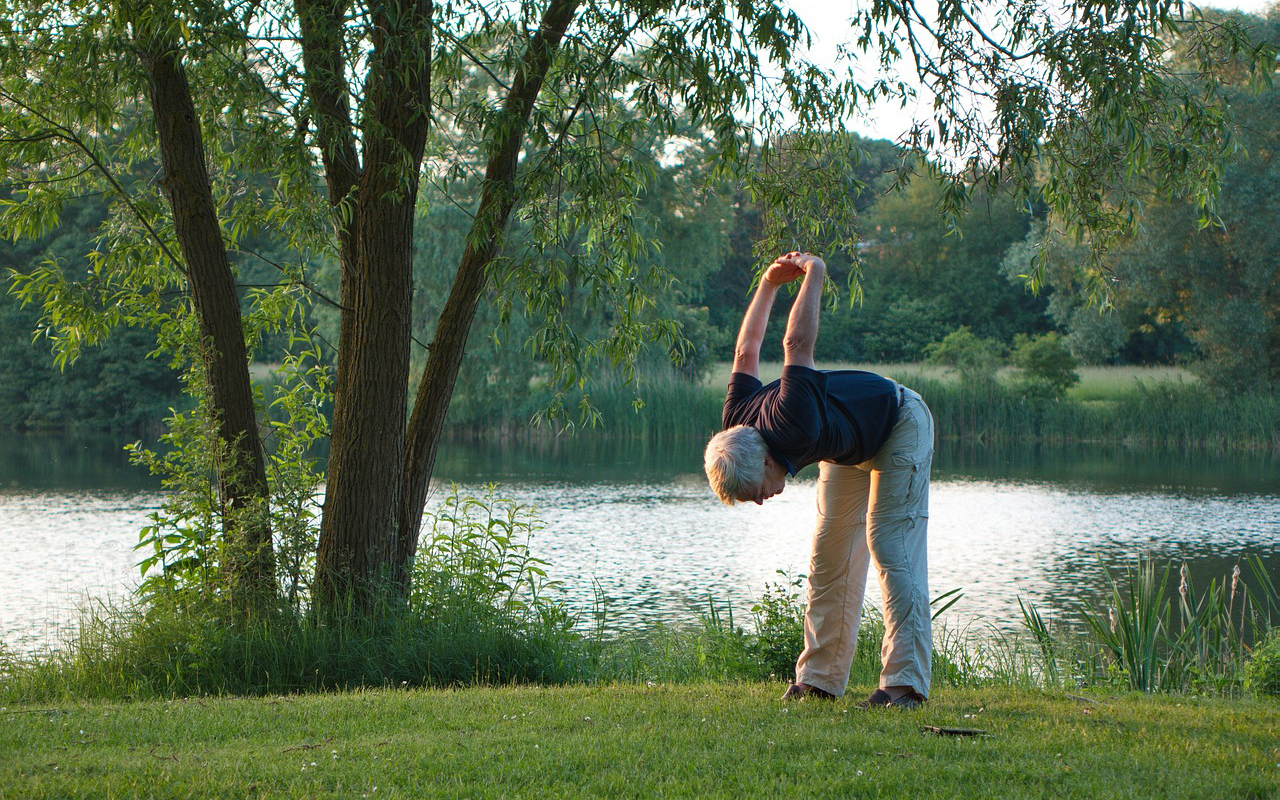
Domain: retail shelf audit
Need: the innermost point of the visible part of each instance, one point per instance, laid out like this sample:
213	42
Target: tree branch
71	137
321	24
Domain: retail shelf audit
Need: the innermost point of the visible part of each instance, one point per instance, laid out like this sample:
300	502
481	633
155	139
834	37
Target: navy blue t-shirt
808	415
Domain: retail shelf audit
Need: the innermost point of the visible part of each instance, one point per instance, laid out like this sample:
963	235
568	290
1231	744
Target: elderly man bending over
873	439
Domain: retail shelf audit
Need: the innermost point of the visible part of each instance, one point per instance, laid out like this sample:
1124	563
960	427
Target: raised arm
802	325
746	354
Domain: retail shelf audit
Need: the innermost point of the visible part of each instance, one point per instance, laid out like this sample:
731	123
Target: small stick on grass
953	731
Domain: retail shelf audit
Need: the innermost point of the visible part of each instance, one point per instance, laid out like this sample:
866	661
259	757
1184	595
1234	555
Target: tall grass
480	612
1149	637
1158	415
1139	410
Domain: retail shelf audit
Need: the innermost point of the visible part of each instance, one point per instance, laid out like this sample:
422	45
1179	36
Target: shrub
1046	367
1262	671
976	358
779	618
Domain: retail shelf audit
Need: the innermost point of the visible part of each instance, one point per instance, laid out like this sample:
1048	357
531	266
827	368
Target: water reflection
1115	468
637	519
70	461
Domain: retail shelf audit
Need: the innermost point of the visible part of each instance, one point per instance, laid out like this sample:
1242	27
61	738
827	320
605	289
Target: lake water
638	521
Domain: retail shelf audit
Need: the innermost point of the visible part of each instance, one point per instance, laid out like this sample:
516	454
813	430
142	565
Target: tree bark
379	469
448	346
241	471
374	205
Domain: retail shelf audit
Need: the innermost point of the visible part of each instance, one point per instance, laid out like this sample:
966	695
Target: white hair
735	462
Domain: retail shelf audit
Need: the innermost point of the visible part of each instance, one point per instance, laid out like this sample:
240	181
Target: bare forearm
746	354
802	325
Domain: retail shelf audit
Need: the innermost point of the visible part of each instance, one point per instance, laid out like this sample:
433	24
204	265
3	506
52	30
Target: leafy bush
1262	671
476	567
769	651
976	358
779	618
1046	367
183	549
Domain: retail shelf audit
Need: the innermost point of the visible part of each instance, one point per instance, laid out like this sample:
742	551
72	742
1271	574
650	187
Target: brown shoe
803	691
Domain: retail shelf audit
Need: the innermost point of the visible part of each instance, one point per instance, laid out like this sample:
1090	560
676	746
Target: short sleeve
742	387
799	410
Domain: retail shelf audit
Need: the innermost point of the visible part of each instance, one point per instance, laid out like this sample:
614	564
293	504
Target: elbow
746	354
799	343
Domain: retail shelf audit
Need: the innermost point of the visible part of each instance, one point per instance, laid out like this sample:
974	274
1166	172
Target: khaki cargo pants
875	512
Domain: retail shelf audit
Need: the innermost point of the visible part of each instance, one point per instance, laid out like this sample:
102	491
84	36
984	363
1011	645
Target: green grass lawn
701	740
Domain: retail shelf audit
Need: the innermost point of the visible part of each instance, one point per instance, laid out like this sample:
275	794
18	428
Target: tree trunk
378	471
356	559
498	197
375	204
241	472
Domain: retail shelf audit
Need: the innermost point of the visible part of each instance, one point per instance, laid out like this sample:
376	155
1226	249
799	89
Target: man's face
775	480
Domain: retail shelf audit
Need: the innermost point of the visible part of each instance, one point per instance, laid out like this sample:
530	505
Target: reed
1133	407
1151	638
1161	415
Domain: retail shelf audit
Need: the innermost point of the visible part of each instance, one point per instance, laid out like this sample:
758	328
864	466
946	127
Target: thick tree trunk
378	471
498	197
358	536
242	478
356	564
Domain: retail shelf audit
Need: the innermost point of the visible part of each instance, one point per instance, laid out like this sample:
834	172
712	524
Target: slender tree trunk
242	478
498	197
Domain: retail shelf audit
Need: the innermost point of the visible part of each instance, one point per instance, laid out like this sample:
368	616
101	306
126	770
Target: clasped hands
793	265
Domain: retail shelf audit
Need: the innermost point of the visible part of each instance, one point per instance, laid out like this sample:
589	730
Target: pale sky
829	25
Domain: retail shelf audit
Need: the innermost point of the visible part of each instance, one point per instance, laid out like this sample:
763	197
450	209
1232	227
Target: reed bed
1158	415
1150	637
1140	411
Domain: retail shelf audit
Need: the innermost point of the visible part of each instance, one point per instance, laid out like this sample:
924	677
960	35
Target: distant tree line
1204	293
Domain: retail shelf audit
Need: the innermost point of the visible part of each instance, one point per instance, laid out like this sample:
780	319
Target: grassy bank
1157	407
701	740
